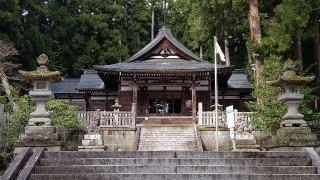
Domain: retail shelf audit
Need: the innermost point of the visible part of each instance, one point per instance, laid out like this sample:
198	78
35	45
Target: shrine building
164	79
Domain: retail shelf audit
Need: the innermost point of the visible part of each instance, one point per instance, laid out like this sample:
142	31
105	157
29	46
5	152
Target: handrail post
134	112
200	113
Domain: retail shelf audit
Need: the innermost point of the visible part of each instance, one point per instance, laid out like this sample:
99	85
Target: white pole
216	92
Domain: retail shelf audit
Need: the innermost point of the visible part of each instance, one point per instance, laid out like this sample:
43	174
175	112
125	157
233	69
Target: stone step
167	142
166	148
180	154
177	137
176	161
168	135
175	169
85	176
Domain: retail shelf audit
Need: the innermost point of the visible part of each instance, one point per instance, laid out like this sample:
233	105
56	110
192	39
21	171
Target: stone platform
92	142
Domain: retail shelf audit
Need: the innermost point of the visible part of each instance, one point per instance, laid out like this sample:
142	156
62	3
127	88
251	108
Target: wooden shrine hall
163	79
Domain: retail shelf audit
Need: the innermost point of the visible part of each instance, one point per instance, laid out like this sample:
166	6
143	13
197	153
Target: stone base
293	123
49	145
246	142
39	133
92	142
91	148
297	136
116	139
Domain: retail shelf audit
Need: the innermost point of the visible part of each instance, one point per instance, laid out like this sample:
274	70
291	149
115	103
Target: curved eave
160	68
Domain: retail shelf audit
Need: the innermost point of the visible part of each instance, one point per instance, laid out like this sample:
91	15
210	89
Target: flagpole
216	91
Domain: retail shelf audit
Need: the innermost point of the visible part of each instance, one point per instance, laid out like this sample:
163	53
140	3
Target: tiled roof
90	81
160	65
68	85
239	79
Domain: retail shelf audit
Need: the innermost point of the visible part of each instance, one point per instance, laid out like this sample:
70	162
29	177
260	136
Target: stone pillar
134	112
194	103
200	110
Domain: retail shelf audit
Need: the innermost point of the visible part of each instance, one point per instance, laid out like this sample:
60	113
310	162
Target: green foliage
269	114
6	103
15	125
5	158
64	115
310	114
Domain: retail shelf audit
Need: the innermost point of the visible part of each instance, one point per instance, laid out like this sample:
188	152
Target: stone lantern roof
291	77
42	73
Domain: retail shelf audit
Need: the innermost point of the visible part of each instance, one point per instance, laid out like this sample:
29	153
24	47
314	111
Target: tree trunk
6	86
255	33
298	51
226	51
316	46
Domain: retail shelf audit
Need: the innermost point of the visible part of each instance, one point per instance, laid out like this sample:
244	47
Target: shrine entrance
164	107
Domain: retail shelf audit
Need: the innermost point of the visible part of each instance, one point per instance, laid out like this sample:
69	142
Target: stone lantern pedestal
39	130
294	130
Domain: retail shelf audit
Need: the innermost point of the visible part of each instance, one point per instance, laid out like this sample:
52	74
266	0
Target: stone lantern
39	127
293	127
116	106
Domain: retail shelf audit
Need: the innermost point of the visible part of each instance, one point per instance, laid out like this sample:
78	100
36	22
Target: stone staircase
179	165
167	138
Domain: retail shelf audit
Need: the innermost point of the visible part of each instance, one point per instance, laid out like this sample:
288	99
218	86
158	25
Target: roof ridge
164	32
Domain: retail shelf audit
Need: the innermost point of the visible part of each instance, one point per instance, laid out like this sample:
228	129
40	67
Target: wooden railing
117	119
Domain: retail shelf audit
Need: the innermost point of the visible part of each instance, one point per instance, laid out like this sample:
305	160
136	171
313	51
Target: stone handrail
207	118
109	118
86	116
117	119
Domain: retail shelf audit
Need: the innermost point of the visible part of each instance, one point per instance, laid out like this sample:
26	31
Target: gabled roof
163	55
90	80
164	34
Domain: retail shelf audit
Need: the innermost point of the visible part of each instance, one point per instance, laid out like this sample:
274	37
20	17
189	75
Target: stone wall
119	139
208	139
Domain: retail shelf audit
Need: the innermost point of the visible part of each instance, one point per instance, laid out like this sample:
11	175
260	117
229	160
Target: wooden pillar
135	93
146	100
87	100
183	100
210	93
194	102
107	99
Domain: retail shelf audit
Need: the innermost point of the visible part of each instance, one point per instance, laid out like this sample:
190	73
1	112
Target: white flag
219	51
